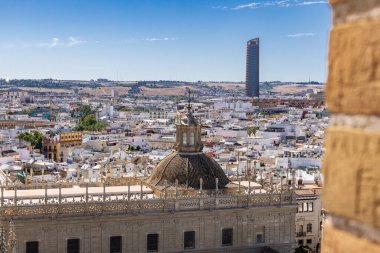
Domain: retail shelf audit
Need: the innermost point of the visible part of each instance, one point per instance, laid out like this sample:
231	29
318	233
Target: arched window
192	138
184	138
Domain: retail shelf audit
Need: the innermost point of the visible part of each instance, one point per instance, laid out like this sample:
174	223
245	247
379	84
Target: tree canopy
252	130
88	120
35	138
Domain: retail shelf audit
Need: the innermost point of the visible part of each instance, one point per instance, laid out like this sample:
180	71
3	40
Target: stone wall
351	164
94	232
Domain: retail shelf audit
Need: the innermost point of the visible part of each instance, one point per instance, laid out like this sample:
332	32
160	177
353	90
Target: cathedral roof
188	169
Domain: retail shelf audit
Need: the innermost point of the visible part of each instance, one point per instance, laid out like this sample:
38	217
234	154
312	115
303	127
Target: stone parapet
352	10
353	84
351	164
133	203
341	241
352	185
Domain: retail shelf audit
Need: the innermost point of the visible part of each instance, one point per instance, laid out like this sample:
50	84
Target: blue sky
162	39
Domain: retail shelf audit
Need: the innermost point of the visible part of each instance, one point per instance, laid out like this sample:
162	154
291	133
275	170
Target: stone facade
275	224
309	218
50	220
351	164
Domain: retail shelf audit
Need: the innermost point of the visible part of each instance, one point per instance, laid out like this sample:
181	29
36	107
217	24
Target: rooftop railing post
176	188
104	191
15	196
249	191
249	186
201	204
216	192
59	193
86	192
129	190
46	195
271	184
2	196
141	190
281	191
271	189
165	188
287	176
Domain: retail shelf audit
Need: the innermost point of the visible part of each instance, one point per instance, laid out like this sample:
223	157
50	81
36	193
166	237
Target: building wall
304	217
71	138
52	151
351	163
51	146
276	224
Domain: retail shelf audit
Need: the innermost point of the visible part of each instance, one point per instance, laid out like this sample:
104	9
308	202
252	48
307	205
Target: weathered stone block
352	174
353	84
355	4
353	10
339	241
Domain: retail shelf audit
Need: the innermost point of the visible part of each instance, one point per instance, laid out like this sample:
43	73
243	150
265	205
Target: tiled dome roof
188	168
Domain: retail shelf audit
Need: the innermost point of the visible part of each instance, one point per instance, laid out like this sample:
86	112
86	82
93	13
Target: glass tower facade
252	68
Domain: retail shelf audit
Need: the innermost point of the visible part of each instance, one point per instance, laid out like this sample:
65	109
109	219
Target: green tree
35	138
89	123
82	111
252	130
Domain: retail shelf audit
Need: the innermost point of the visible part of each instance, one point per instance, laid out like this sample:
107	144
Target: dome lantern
188	134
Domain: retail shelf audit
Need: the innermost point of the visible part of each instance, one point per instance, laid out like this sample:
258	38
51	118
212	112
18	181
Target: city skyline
138	40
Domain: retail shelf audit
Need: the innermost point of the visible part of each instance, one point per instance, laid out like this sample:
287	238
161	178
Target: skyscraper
252	71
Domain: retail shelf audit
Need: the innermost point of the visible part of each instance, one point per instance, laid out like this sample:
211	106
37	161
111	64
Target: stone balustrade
63	205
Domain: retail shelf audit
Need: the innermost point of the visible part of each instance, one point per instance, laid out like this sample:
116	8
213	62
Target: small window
300	208
227	237
73	245
184	138
152	242
115	244
310	207
32	247
305	207
260	238
300	228
189	240
309	241
192	138
300	242
309	228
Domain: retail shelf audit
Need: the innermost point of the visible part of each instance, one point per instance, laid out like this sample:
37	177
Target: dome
188	169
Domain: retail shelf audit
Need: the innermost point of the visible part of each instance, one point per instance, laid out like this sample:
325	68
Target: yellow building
53	146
